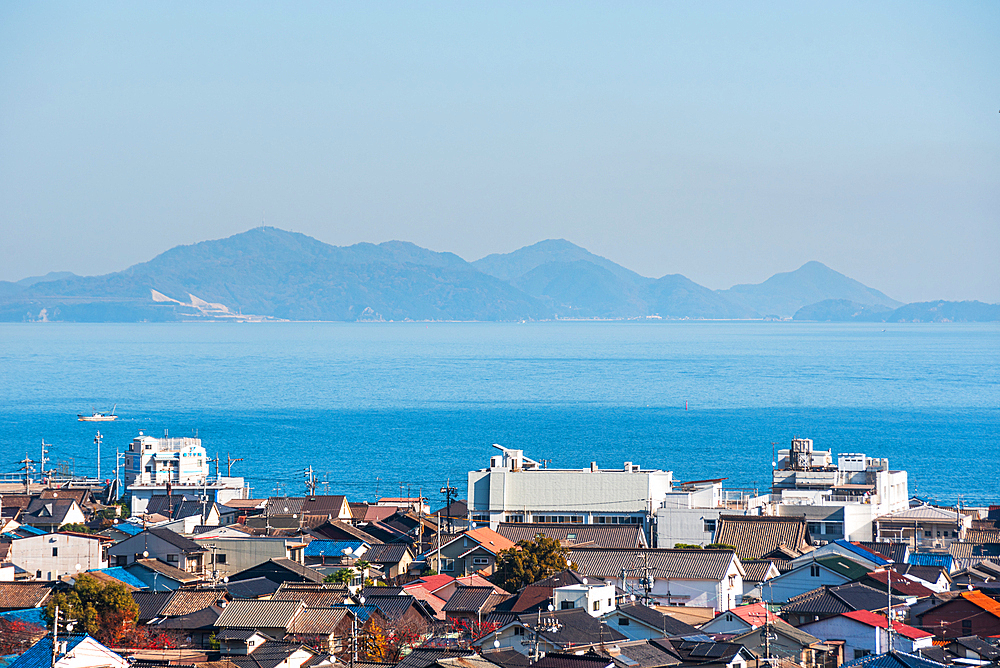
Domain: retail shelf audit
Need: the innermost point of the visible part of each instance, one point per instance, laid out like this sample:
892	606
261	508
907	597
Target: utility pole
97	442
449	494
310	481
55	636
27	472
420	521
41	466
888	589
229	462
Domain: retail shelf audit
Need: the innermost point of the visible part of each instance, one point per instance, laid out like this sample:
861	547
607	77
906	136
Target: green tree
529	561
719	546
343	576
104	610
76	526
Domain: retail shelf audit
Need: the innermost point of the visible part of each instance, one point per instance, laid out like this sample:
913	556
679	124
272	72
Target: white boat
99	417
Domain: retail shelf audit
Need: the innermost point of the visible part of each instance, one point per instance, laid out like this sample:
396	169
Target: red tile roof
878	621
755	614
433	582
901	585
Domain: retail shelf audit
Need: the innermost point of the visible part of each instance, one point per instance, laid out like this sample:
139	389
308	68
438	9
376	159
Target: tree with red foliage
104	610
17	636
472	628
142	638
385	641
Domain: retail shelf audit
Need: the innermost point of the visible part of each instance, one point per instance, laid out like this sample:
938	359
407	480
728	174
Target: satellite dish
632	598
362	599
347	552
78	568
551	607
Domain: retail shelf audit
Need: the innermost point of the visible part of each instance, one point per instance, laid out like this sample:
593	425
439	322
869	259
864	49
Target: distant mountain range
267	273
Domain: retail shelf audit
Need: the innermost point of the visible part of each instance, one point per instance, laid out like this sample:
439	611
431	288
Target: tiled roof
489	539
840	599
670	626
186	601
677	564
507	658
323	505
706	653
559	660
984	649
284	505
895	551
317	621
387	553
197	619
165	569
433	582
927	513
422	657
980	536
881	622
252	588
758	570
39	655
252	613
471	661
48	511
268	655
435	603
755	536
786	629
337	530
310	574
20	595
983	601
394	607
596	535
150	603
892	659
474	599
900	584
755	615
578	628
186	545
642	654
314	598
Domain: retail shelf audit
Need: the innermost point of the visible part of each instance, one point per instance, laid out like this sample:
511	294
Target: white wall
35	554
685	525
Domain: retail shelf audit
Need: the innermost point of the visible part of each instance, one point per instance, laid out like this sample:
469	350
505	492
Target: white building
517	489
690	512
597	598
73	651
52	555
838	501
166	466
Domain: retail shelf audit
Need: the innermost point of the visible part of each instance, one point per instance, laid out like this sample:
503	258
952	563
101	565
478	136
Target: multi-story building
167	466
839	500
517	489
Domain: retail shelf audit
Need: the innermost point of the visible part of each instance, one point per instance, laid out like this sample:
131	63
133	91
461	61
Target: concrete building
174	466
690	512
517	489
52	555
225	556
597	598
925	526
838	501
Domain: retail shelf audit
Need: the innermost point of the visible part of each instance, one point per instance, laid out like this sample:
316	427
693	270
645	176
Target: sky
725	141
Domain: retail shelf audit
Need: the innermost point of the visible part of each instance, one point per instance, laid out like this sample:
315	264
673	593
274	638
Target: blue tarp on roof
945	561
332	549
40	654
122	575
362	612
24	531
34	616
131	528
862	552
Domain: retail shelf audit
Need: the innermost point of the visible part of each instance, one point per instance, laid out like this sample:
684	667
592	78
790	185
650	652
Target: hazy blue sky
723	141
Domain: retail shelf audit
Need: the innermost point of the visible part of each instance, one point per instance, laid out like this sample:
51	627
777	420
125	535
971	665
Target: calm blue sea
384	408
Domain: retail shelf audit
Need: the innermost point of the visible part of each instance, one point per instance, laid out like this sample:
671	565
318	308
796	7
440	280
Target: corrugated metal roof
621	536
677	564
253	613
387	553
755	536
941	559
39	655
317	621
925	512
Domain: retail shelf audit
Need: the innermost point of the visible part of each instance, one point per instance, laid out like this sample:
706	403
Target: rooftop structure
517	489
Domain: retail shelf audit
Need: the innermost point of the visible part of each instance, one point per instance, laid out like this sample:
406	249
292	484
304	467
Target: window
814	570
220	558
967	627
516	519
816	528
519	630
482	517
729	618
566	605
596	606
55	552
480	561
860	653
945	534
447	565
173	558
38	575
623	621
834	528
708	526
927	534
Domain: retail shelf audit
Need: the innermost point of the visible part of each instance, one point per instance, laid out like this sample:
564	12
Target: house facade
52	555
